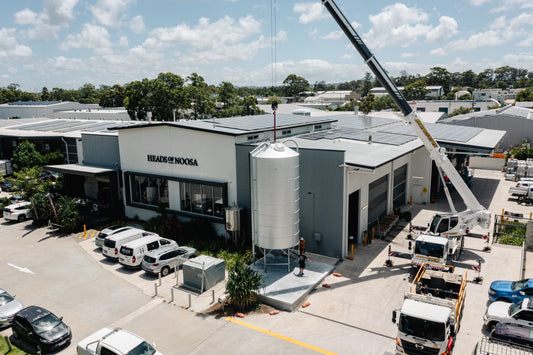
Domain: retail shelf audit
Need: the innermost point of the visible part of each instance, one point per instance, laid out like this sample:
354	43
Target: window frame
128	175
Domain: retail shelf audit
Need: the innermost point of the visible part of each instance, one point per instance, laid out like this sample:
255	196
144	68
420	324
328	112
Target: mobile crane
450	224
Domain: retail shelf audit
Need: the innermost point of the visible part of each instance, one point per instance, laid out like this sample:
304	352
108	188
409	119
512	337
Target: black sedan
40	328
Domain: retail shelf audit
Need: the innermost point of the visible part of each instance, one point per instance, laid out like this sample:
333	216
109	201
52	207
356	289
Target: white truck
439	251
429	318
526	196
116	341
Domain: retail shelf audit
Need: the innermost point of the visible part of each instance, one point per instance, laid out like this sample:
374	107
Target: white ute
115	342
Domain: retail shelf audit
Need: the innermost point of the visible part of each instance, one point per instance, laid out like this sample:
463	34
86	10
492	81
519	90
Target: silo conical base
288	252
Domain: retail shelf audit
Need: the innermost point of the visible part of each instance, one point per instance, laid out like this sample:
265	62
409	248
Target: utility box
203	272
5	168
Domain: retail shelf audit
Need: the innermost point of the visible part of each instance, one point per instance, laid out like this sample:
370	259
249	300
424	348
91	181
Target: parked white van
113	243
131	253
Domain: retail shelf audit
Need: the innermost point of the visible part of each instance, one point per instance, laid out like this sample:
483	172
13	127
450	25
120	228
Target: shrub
242	286
67	214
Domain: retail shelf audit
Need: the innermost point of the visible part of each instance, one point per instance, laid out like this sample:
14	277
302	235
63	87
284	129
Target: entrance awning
80	169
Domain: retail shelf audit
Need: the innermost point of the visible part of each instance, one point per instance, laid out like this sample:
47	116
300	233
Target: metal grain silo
275	196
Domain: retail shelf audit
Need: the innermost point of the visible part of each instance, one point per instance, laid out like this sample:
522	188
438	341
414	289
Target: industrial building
352	170
516	121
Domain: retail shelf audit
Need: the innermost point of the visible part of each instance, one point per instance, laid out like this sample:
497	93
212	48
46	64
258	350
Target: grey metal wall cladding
100	150
399	187
377	199
276	193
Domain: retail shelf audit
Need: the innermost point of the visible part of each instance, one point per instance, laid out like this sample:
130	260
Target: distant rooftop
33	103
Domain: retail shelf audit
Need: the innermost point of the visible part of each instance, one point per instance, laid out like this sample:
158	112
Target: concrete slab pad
284	288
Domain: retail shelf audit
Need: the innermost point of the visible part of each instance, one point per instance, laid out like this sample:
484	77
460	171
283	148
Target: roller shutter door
399	189
377	200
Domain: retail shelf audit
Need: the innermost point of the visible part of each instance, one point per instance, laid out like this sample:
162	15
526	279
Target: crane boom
476	213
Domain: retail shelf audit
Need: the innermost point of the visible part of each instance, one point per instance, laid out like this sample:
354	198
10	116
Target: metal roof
360	135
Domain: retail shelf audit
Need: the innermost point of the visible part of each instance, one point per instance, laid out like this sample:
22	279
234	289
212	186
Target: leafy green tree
249	105
67	214
42	209
502	85
465	97
25	156
113	97
461	111
439	76
243	286
226	94
27	181
53	158
198	97
367	104
384	103
367	84
524	95
294	85
468	78
45	95
415	91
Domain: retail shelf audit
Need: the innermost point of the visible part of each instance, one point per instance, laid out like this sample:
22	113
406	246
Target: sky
67	43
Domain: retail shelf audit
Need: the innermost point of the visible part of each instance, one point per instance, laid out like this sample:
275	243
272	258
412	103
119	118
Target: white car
115	341
19	211
99	239
509	313
9	306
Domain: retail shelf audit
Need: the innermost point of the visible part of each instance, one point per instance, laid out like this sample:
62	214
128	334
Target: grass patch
512	233
4	348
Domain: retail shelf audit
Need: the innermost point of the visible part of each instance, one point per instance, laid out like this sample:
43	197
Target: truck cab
439	250
424	328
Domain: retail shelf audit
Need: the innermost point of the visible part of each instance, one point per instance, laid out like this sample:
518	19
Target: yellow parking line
279	336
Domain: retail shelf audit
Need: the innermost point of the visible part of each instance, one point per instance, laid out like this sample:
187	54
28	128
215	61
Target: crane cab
444	224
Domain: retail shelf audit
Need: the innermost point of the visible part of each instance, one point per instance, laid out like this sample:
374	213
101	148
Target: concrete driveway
68	276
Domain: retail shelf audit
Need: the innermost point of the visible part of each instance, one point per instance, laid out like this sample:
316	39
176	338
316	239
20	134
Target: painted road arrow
22	269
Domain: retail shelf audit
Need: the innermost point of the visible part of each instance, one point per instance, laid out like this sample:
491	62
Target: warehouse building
352	170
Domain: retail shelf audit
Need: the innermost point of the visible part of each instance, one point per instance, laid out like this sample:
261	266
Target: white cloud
9	46
499	23
137	24
107	12
91	36
478	2
333	35
309	11
409	55
438	52
447	28
397	24
209	42
55	15
489	38
520	60
527	42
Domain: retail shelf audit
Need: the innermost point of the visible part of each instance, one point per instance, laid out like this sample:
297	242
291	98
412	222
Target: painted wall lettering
169	159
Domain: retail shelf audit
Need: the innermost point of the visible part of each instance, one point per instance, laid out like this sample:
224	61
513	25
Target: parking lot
68	275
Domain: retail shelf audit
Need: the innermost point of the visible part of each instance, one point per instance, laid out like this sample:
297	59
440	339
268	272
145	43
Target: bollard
176	268
159	276
189	301
155	288
212	296
172	295
177	276
372	233
84	230
365	239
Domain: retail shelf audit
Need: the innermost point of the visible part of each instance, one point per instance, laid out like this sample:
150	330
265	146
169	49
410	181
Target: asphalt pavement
352	316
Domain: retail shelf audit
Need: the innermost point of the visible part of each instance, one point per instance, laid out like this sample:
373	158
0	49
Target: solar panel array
363	122
360	135
439	131
68	125
254	123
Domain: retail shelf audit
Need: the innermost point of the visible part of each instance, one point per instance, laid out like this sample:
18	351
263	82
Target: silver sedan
165	259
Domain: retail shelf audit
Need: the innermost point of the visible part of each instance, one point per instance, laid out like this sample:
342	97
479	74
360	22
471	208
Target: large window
149	190
195	197
202	198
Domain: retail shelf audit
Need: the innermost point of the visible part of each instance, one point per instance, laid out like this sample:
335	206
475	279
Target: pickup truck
521	187
114	342
431	312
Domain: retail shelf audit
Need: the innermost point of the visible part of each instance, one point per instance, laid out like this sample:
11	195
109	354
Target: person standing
302	258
